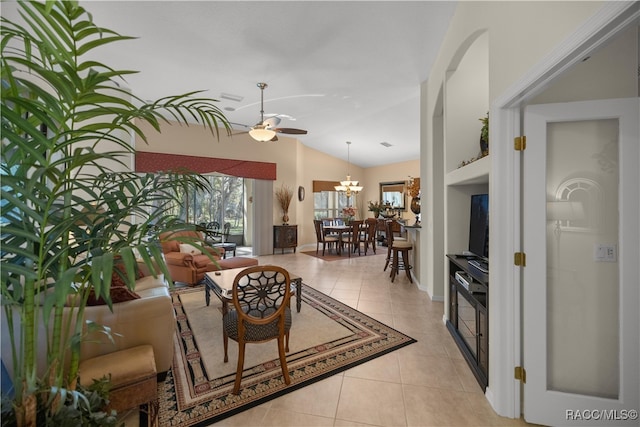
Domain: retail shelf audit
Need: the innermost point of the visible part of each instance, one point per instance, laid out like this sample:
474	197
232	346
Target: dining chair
260	313
369	234
322	237
351	239
328	222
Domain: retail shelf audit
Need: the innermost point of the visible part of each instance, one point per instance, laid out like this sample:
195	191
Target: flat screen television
479	226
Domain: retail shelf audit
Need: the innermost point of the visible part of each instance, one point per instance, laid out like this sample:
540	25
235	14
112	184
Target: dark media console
468	320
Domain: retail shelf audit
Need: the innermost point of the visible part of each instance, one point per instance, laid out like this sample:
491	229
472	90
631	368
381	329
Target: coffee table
221	283
228	248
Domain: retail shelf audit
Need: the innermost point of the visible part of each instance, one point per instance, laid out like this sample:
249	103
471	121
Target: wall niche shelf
474	173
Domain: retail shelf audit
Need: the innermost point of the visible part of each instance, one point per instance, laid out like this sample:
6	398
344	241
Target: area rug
332	256
327	337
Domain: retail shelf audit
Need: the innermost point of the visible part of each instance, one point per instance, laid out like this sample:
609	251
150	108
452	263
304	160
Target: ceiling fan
265	130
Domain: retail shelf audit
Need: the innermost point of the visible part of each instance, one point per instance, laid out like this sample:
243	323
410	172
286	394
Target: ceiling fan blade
291	131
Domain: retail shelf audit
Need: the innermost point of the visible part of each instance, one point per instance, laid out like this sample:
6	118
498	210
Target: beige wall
296	165
520	35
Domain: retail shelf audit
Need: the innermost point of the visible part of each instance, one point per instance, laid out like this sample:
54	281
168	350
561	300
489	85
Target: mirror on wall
394	193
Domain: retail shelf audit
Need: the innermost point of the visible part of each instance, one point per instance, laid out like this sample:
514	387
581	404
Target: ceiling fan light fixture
261	133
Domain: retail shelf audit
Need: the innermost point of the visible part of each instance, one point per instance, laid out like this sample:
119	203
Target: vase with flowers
375	207
348	214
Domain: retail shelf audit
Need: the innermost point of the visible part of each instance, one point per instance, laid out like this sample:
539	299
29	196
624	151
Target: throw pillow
189	249
119	274
117	293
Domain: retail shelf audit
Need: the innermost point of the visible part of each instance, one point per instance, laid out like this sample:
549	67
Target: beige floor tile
251	417
427	383
346	294
428	406
426	345
371	402
290	418
320	399
374	307
384	368
431	371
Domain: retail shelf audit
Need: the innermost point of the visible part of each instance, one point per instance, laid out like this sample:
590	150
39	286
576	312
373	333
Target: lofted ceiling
342	70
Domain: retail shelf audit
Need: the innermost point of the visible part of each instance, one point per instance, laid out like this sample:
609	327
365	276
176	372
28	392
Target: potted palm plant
70	207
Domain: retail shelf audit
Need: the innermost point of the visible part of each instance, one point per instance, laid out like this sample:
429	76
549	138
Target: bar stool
396	249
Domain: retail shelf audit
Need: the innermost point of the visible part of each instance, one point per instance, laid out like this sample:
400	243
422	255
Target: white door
581	237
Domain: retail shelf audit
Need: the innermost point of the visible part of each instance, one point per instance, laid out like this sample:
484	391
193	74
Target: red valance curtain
159	162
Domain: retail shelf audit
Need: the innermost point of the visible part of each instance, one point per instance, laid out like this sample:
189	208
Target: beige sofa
149	319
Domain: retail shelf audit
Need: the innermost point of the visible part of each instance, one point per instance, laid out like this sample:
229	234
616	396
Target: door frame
505	325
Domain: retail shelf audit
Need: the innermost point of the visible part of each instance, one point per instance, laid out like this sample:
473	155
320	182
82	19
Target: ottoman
237	262
133	377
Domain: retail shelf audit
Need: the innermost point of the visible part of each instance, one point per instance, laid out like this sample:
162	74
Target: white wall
520	35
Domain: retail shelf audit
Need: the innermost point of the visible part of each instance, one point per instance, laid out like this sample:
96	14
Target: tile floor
427	383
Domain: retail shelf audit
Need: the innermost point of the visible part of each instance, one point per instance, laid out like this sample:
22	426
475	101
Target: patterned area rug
327	337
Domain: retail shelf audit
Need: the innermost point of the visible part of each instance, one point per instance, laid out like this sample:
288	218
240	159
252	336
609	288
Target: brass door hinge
520	259
520	143
520	374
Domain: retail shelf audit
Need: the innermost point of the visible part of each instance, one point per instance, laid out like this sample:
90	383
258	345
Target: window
224	203
329	204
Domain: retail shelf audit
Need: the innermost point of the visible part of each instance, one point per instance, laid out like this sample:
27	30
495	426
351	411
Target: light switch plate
605	252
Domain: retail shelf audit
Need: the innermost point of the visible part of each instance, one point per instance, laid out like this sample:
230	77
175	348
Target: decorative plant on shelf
484	136
68	212
484	142
284	194
375	207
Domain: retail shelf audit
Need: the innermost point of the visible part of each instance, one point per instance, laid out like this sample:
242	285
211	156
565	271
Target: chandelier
348	186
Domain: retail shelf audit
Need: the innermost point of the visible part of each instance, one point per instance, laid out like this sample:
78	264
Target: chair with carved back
260	313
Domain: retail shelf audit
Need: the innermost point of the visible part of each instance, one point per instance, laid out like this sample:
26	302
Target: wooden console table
285	237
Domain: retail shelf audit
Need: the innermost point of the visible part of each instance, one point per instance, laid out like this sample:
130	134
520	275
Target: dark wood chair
369	234
351	240
212	233
397	253
322	238
260	313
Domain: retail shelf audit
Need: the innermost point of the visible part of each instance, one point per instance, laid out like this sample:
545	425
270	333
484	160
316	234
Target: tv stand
468	320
